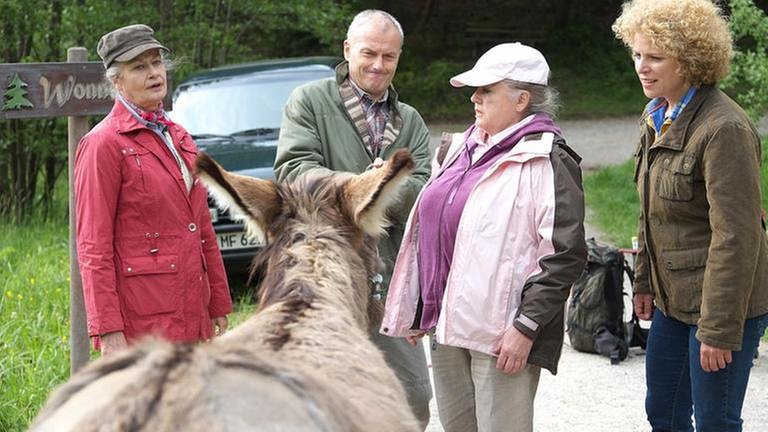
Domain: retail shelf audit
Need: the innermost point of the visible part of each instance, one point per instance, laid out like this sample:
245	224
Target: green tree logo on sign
15	95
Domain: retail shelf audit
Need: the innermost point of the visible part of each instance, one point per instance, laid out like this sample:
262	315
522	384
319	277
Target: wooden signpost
74	89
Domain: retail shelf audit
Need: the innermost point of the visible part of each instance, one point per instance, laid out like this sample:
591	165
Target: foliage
201	34
31	152
593	72
34	318
424	84
748	79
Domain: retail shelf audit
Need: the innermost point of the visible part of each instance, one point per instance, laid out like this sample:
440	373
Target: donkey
304	362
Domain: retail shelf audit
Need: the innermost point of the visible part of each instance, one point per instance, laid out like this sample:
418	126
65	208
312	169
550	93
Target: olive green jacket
703	250
318	135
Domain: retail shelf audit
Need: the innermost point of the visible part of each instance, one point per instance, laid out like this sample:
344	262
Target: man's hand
220	325
414	338
713	359
513	349
377	163
112	343
643	306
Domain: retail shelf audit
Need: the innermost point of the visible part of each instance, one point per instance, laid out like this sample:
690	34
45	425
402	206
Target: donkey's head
320	230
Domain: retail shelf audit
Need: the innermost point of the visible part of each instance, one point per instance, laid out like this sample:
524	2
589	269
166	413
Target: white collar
483	138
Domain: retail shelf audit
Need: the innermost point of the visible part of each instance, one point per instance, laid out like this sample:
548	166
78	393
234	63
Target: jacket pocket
684	277
150	284
134	165
675	179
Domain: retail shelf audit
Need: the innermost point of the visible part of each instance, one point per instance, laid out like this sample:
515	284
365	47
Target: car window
237	104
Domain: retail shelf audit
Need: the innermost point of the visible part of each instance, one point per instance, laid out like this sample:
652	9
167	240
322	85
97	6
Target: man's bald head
373	19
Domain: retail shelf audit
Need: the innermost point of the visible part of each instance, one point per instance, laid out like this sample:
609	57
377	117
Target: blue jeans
679	387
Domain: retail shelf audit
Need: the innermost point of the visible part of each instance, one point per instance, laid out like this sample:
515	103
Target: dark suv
234	114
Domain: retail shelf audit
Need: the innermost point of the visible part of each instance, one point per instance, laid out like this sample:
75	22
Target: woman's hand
713	359
220	325
643	306
513	349
112	343
414	338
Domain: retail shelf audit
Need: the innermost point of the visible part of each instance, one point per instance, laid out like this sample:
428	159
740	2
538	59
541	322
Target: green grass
612	201
34	318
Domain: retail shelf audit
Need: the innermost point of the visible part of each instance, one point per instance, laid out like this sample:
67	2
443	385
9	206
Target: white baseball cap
513	61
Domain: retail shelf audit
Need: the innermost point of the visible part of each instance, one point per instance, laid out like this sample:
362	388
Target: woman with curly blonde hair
703	256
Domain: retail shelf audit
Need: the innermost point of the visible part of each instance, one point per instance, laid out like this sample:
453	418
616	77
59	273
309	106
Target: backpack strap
449	145
445	143
560	142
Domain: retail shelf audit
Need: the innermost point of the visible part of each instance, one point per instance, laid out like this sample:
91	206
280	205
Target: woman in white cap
148	255
491	249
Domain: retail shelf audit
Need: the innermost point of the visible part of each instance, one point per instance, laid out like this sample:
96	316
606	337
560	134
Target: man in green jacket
352	123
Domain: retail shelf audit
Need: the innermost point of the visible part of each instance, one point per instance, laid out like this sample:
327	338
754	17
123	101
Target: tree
748	79
16	95
200	33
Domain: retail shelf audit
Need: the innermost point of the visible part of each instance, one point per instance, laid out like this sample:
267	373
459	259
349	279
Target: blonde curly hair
692	31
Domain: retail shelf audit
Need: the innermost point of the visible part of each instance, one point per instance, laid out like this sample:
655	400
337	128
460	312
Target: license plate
236	240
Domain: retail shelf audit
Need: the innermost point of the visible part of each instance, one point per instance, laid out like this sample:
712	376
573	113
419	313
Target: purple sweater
440	208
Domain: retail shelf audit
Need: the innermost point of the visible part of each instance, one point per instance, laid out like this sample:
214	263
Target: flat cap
126	43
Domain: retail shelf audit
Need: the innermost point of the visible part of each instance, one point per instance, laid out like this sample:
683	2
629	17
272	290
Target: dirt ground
589	394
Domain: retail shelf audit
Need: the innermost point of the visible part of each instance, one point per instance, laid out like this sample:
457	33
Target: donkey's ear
368	195
255	201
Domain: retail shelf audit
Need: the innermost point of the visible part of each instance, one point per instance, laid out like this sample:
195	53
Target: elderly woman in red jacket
148	255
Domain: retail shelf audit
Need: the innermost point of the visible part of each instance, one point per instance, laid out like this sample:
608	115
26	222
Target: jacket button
192	227
385	329
130	269
173	266
203	241
147	235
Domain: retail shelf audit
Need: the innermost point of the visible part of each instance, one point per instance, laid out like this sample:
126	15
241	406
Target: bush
425	86
748	80
593	72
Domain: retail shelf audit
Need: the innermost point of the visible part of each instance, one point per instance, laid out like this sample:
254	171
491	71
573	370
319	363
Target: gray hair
113	72
544	99
363	17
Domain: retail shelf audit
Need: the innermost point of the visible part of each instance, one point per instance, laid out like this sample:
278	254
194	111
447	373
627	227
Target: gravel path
589	394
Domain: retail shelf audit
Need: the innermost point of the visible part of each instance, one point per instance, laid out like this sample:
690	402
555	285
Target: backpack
596	309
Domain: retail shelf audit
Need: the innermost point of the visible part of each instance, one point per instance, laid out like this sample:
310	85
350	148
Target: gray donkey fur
304	362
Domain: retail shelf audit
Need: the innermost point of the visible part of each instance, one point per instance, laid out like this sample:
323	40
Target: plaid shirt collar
657	108
366	98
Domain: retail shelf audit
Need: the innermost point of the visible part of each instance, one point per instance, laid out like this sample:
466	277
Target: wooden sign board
34	90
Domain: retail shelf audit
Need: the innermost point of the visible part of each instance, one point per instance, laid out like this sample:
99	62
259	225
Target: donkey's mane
308	206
